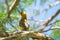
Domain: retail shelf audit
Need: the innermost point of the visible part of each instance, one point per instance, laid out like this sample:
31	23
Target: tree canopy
42	15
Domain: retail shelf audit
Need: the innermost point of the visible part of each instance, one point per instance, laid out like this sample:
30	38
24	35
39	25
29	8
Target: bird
23	23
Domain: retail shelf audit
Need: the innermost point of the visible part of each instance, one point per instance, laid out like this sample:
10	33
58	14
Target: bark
48	21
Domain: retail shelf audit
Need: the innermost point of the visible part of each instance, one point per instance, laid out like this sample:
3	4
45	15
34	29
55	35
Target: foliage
56	33
15	16
25	3
3	14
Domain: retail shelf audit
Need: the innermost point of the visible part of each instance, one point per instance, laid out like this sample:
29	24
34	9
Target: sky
43	15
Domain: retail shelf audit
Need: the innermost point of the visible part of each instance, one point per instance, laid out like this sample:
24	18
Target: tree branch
48	21
52	5
6	1
27	34
14	4
53	28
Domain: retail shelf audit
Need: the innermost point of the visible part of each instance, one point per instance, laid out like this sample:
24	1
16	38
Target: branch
53	28
52	5
6	1
14	4
48	21
27	34
13	26
3	32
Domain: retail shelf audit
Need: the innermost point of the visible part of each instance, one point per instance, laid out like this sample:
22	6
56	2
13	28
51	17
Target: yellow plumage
24	26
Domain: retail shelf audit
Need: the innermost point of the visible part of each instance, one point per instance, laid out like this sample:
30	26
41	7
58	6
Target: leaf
26	3
56	33
15	11
57	23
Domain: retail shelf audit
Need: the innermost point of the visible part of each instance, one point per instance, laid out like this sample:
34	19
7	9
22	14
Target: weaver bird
24	26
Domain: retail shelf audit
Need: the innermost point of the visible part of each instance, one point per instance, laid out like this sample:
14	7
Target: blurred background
38	11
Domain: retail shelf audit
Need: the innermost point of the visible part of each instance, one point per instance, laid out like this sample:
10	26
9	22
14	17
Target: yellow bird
24	26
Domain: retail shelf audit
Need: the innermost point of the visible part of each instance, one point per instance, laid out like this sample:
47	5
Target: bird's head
23	14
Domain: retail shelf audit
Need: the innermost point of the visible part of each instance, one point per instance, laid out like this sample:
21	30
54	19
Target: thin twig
53	28
6	1
13	26
48	21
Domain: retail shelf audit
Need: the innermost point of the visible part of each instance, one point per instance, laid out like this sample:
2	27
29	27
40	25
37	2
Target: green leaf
55	33
26	3
57	23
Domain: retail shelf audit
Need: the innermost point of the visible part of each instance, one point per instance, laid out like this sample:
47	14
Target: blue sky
43	15
38	7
